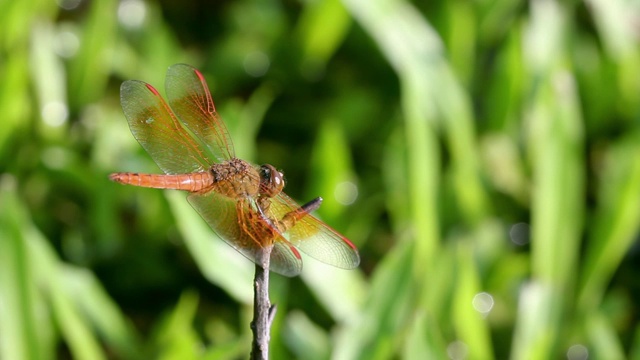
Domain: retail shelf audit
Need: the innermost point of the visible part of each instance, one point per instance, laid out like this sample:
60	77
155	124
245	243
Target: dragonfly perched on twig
243	203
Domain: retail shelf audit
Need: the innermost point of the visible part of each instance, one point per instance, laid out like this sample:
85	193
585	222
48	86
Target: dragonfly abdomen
193	182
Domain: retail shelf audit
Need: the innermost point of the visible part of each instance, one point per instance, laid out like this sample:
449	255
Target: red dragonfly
243	203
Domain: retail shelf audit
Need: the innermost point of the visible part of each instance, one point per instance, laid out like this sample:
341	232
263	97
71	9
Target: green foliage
484	157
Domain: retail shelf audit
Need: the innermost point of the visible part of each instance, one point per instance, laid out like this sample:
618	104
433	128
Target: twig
263	312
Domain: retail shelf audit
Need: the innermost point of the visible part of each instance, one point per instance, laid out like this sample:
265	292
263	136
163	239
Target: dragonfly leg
242	223
263	203
252	224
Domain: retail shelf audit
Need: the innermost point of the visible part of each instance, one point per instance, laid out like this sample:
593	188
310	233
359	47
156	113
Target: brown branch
263	311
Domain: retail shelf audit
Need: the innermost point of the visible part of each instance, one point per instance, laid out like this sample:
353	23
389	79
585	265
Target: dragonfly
243	203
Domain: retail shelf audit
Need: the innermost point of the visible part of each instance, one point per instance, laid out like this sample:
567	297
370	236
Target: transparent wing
314	237
242	228
190	98
158	130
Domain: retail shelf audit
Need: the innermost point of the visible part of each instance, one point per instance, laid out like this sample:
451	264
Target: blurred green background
483	155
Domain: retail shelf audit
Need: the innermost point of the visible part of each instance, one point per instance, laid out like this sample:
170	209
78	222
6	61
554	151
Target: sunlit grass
483	156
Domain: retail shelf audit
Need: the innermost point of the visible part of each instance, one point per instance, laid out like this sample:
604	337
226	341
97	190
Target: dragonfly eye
271	181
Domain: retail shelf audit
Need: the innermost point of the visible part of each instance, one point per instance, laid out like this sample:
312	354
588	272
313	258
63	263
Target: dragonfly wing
158	130
285	259
315	238
190	98
242	228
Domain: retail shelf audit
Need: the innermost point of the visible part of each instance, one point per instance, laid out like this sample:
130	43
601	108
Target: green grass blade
373	334
176	337
47	273
24	336
616	220
101	311
421	341
306	339
470	325
558	182
320	38
603	338
404	46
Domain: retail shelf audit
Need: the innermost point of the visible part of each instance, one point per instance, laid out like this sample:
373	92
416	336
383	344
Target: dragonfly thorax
235	178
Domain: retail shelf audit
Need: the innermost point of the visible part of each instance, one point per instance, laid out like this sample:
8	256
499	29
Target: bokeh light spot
55	157
483	302
578	352
55	113
256	63
132	13
66	44
346	193
519	234
68	4
457	350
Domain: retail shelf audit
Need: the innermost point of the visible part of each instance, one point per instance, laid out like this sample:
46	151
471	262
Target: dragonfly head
271	181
